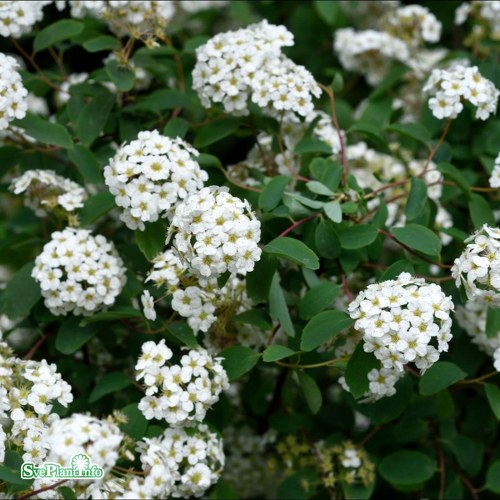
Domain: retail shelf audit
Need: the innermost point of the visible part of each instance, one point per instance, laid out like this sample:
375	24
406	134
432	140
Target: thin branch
297	224
333	115
45	488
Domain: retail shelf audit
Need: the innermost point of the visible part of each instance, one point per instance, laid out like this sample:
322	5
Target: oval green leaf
293	250
418	238
440	376
323	327
406	468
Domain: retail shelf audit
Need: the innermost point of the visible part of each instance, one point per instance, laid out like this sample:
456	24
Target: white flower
78	272
150	175
478	267
13	95
178	393
236	66
399	319
450	88
18	18
494	180
148	305
45	190
224	230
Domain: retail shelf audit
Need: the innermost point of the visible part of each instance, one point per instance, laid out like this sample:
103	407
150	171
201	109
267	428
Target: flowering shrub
250	249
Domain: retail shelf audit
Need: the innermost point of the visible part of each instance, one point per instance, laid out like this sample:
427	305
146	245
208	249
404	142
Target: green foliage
331	223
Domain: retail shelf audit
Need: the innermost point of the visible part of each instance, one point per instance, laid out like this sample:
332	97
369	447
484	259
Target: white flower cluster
472	318
12	92
78	272
494	179
192	6
18	18
46	190
137	18
150	175
28	390
207	306
478	267
80	433
178	393
216	232
235	66
414	24
402	321
369	52
449	90
487	12
373	170
264	159
180	463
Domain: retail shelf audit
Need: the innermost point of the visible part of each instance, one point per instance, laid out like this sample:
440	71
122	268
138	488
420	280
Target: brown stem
31	60
436	147
45	488
35	348
346	288
296	224
333	115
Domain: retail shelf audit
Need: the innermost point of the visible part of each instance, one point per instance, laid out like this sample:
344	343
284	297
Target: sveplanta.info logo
80	468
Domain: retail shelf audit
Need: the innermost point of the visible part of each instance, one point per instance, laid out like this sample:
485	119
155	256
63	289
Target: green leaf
312	145
406	467
238	360
176	127
71	336
66	493
440	376
492	322
87	164
493	477
313	396
96	206
215	131
413	130
21	294
115	314
416	199
183	332
278	308
468	452
93	117
358	367
272	192
121	76
255	317
151	241
326	240
357	236
357	491
57	32
294	251
480	211
258	282
101	42
418	238
44	131
493	395
323	327
333	211
370	131
327	172
400	266
161	100
9	157
327	11
317	187
452	173
392	79
12	476
136	424
276	352
111	382
317	298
